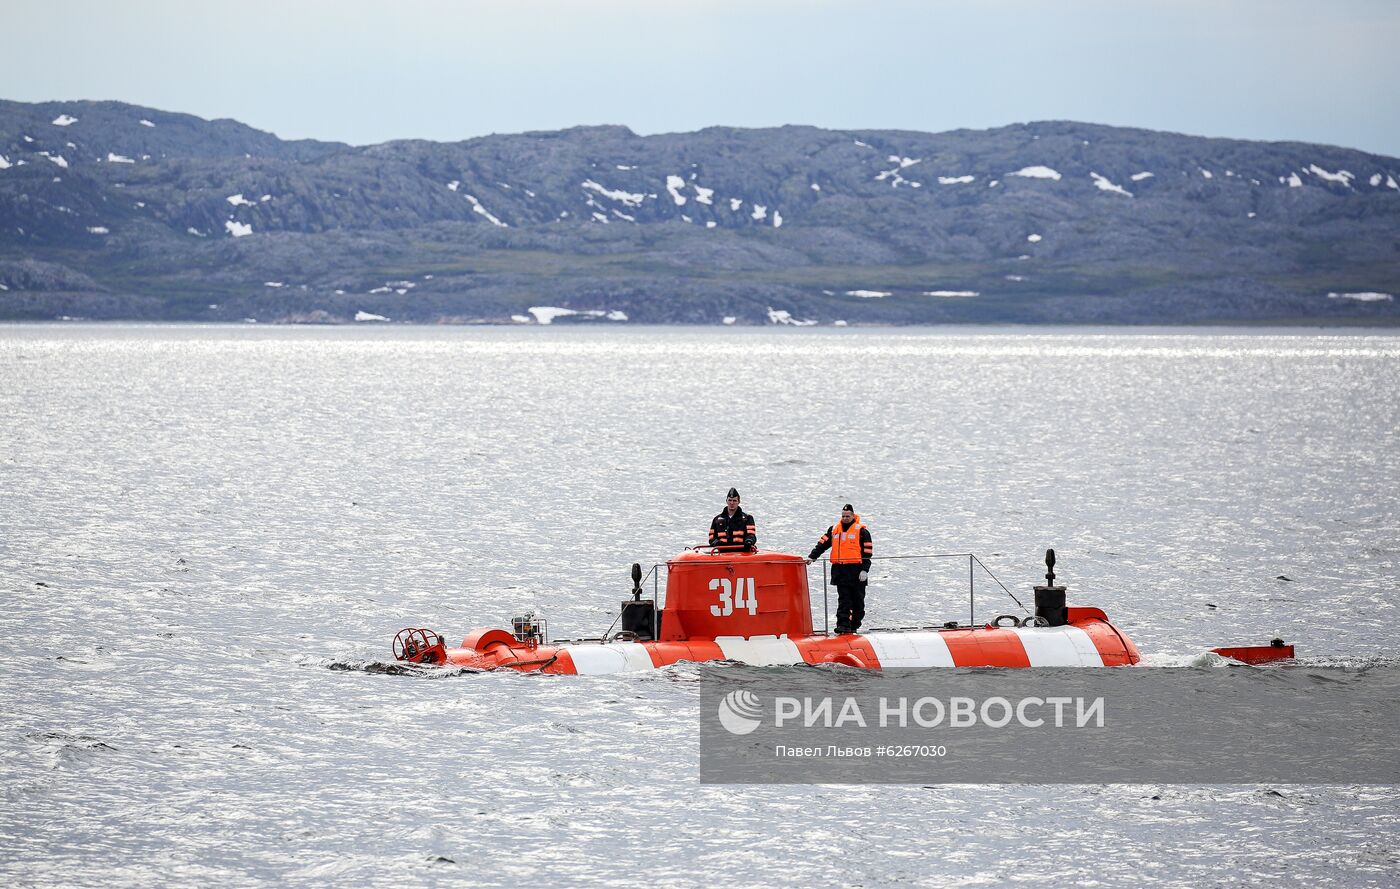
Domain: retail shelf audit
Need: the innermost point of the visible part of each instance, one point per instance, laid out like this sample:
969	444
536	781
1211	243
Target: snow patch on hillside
952	294
362	315
674	184
547	314
1036	172
783	316
1103	184
1138	177
1364	296
145	123
892	174
869	294
476	207
956	180
631	199
64	120
238	229
239	201
113	158
1341	177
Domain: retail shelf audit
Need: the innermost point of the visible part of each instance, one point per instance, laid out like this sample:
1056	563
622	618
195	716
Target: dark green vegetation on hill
110	210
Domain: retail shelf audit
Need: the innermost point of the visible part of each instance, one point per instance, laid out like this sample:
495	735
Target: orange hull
1088	641
755	608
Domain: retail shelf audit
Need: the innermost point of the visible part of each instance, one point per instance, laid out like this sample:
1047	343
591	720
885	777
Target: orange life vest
845	543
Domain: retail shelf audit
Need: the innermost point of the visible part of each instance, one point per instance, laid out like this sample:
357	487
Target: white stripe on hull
910	649
762	651
1045	647
1059	647
614	657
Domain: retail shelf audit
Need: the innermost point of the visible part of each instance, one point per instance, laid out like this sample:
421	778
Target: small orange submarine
755	608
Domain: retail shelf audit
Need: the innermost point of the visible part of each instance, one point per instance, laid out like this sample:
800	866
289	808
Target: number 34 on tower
734	597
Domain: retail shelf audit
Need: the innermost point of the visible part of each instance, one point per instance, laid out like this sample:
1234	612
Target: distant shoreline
1340	326
113	211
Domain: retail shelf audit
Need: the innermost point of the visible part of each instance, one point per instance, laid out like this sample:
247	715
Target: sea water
209	535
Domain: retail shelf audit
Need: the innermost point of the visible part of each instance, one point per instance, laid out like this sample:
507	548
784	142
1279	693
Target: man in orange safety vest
851	549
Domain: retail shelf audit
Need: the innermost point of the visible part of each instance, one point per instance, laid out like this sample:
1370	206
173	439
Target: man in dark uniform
851	549
733	528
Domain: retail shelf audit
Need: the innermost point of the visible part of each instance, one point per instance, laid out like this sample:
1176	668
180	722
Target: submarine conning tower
723	594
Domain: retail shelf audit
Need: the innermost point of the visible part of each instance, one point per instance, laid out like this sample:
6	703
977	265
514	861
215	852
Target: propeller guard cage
419	646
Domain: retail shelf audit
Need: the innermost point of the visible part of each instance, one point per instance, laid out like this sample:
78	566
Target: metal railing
973	563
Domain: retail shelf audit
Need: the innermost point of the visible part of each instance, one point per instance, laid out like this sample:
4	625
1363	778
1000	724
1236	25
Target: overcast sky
364	71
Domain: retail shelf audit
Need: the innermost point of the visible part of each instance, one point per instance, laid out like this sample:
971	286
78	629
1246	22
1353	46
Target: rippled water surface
208	537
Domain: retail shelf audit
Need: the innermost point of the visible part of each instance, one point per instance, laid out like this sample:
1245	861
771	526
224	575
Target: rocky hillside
110	210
